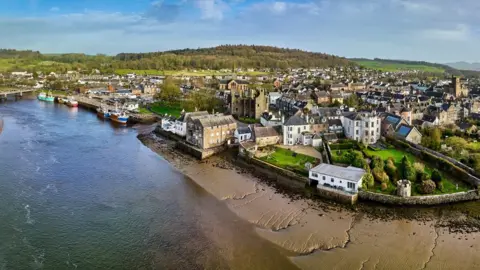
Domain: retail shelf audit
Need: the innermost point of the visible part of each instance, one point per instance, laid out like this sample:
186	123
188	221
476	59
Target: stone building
458	88
208	131
404	188
249	102
233	84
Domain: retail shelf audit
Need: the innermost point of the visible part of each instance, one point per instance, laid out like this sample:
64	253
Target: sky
430	30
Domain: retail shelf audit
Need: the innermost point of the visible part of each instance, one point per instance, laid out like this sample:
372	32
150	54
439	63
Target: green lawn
289	160
184	72
248	120
339	156
142	110
386	66
173	109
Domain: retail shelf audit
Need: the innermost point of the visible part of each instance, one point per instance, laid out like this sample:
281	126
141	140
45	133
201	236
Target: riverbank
328	234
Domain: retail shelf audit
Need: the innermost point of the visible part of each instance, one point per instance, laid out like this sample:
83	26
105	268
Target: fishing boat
118	116
61	100
71	102
46	97
102	112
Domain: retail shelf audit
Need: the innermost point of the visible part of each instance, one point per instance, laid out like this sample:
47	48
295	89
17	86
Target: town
346	132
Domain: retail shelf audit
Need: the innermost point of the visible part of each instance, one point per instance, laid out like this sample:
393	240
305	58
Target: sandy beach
321	236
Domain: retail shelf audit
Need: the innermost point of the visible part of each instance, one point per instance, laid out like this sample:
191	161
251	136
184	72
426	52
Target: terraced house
209	131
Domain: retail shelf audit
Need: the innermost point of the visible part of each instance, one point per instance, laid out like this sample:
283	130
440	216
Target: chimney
283	119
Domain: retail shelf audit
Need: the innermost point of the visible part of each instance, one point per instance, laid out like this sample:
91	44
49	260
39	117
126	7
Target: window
290	128
332	180
323	177
289	136
211	134
315	175
356	132
304	127
372	133
351	185
378	130
366	132
366	124
357	123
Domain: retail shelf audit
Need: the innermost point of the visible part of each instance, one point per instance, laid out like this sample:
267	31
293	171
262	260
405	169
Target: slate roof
350	173
335	122
262	132
296	120
429	118
244	130
214	120
403	130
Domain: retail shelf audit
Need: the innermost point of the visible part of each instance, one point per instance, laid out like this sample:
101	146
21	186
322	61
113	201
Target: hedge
342	146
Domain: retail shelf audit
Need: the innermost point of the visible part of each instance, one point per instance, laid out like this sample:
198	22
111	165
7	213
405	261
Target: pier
18	93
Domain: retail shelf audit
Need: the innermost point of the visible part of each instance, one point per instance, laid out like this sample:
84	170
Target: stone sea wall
419	200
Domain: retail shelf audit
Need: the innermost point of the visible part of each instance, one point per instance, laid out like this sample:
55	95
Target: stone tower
459	89
404	188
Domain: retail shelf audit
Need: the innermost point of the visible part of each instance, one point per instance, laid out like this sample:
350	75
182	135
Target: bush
368	180
436	176
342	146
409	172
427	187
440	186
391	170
380	175
377	162
421	176
384	186
419	167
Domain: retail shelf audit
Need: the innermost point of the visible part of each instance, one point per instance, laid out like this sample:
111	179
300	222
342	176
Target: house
338	87
362	127
294	127
321	97
346	179
233	84
336	97
272	97
467	128
243	134
181	123
390	123
130	106
168	123
271	119
212	130
409	133
266	136
335	126
430	121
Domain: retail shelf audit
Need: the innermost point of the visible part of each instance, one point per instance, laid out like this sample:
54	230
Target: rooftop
350	173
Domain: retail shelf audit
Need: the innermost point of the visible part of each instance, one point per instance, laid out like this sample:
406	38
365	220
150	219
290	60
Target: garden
289	160
386	165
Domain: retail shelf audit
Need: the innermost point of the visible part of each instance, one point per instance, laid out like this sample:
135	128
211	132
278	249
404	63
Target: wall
293	181
419	200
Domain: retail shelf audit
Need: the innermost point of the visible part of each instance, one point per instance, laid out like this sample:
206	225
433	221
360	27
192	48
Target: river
77	192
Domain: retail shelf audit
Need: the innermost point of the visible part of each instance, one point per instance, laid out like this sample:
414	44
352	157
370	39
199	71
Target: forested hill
9	53
229	56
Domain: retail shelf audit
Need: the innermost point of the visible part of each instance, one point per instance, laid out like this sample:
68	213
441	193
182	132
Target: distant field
23	64
183	72
384	66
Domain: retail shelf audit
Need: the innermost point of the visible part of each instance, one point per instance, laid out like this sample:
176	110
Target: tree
358	160
377	162
169	91
380	175
391	169
419	167
368	180
427	187
457	143
408	170
436	176
352	101
436	137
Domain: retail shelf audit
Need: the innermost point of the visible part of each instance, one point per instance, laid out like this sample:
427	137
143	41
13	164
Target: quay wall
419	200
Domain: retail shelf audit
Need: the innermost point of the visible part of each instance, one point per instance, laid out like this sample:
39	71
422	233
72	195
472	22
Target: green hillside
392	66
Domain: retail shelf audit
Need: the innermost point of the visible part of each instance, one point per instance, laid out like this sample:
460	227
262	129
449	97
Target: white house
346	179
131	106
243	134
269	119
273	96
362	127
293	129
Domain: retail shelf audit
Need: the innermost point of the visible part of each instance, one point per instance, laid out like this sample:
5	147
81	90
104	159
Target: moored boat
45	97
61	100
119	117
72	102
103	113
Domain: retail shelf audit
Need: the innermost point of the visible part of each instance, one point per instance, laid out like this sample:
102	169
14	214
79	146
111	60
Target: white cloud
461	32
279	7
418	5
55	9
212	9
282	7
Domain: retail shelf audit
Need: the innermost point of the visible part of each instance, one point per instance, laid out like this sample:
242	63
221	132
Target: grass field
184	72
289	160
391	67
173	109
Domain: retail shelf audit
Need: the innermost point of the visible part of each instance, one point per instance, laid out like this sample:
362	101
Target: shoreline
315	231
